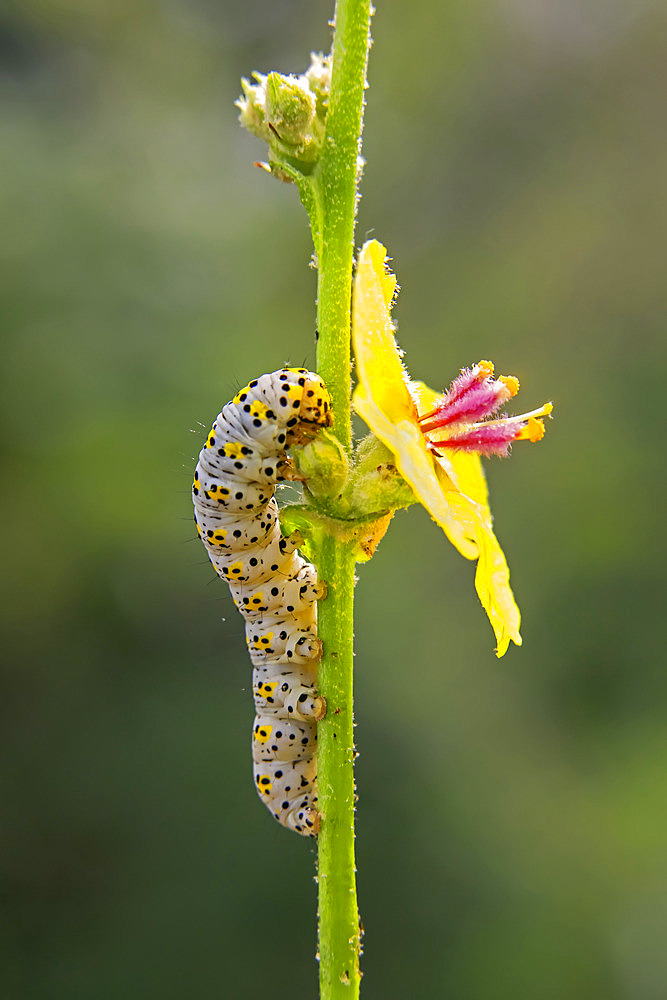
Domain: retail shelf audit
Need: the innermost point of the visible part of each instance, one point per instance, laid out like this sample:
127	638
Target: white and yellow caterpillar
274	588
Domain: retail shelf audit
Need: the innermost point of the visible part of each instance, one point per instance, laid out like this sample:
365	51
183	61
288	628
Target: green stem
337	176
338	916
336	179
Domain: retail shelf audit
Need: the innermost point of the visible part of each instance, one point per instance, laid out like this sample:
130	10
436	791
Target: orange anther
510	382
535	429
486	369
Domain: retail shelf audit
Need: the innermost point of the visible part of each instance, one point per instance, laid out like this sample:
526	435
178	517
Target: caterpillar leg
289	791
304	703
305	650
269	640
304	818
288	588
287	695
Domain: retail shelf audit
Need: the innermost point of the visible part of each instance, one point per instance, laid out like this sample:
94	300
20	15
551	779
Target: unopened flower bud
289	113
290	107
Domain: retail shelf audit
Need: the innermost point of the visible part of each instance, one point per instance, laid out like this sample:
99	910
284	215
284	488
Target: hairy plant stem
338	917
336	182
337	177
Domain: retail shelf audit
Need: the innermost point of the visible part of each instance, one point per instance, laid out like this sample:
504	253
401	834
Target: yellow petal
379	364
382	397
492	578
452	488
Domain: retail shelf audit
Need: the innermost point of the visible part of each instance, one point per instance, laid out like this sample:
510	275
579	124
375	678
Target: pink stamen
459	387
462	413
489	439
468	378
480	400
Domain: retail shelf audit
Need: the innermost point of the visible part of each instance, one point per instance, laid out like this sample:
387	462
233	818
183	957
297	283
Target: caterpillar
274	588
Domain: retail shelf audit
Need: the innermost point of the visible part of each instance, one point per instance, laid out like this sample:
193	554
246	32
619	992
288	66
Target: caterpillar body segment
273	586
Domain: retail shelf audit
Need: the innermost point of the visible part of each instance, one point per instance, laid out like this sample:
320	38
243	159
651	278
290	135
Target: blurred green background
511	819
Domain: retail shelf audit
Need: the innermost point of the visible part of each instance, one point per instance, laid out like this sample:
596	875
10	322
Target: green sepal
375	483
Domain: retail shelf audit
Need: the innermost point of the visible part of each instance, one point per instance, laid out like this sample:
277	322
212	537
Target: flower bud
289	113
290	107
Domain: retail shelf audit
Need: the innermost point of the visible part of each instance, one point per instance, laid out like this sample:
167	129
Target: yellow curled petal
492	578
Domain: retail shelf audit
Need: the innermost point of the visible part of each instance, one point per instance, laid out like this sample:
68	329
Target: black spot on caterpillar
274	588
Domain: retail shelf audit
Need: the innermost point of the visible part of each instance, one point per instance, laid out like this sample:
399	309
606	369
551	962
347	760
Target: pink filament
491	439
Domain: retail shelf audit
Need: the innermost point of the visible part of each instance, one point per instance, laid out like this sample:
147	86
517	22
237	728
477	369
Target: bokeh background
511	822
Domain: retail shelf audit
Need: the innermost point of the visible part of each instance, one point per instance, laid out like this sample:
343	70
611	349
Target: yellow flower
437	438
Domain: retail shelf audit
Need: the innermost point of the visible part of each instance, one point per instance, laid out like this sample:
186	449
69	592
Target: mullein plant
425	446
